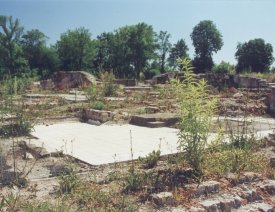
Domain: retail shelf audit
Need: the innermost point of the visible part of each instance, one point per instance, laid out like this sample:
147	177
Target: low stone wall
246	82
72	79
95	115
271	102
46	84
126	82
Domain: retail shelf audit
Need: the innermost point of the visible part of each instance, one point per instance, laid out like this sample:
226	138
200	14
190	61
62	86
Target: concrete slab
112	143
106	143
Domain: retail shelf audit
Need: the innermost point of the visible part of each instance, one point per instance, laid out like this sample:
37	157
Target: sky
237	20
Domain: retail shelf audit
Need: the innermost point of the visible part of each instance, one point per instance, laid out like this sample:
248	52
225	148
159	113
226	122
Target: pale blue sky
237	20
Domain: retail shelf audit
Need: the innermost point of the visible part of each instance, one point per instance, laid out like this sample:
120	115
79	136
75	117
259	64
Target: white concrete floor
106	143
112	143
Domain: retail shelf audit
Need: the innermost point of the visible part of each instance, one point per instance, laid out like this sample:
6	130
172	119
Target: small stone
272	161
238	95
29	156
163	198
269	186
93	122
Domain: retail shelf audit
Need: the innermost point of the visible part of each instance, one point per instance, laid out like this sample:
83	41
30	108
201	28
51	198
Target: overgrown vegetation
150	160
196	112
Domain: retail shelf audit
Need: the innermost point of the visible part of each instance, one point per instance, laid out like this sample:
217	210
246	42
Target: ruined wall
72	79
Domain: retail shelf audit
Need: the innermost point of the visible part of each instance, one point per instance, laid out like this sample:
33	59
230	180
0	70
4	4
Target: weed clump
150	161
196	112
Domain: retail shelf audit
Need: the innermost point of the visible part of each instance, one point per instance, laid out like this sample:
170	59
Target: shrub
108	87
98	105
68	183
234	160
150	160
196	112
224	68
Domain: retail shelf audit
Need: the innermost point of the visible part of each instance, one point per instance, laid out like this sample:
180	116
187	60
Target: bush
68	183
150	160
196	112
98	105
234	160
224	68
108	87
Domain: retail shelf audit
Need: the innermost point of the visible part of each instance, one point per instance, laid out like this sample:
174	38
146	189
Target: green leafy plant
234	160
98	105
196	112
108	86
68	183
224	68
92	92
150	160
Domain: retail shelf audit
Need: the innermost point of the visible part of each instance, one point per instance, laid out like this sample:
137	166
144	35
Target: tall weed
196	113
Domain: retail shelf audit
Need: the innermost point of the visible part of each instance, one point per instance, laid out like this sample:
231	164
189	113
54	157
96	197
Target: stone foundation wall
72	79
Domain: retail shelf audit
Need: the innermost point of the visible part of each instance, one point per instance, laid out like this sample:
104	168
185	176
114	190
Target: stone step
223	202
268	186
204	188
256	206
156	124
142	120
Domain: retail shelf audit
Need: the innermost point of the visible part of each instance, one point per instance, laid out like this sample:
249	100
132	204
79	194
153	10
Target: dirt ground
43	174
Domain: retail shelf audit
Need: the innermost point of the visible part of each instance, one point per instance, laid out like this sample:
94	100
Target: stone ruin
72	79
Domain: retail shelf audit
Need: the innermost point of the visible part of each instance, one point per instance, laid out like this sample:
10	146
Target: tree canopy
179	50
131	51
76	50
254	55
207	40
11	57
164	47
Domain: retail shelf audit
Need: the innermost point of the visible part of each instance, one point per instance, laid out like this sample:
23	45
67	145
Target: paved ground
106	143
112	143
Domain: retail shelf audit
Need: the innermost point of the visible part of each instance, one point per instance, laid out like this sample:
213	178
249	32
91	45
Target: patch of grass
68	183
98	105
234	160
150	160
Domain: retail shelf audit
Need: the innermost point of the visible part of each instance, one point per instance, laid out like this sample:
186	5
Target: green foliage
163	47
68	183
13	105
179	50
108	86
126	51
92	92
224	159
224	68
98	105
40	57
76	50
196	111
133	180
150	160
60	206
206	40
255	55
11	56
15	85
9	202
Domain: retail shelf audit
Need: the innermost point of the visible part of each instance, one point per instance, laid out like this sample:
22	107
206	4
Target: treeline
135	51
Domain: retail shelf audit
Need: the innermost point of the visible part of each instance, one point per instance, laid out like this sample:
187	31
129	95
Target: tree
104	52
163	46
142	46
206	40
179	50
127	51
76	50
254	55
11	59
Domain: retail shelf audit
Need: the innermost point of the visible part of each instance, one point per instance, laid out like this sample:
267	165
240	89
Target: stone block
163	198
